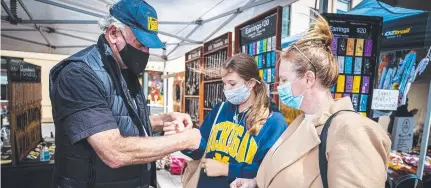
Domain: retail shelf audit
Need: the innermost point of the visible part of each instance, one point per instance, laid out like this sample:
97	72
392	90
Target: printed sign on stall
402	133
385	99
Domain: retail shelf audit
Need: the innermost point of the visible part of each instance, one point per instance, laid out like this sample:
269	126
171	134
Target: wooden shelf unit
216	52
191	57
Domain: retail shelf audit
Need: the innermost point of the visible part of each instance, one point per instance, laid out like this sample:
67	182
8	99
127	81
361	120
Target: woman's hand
243	183
215	168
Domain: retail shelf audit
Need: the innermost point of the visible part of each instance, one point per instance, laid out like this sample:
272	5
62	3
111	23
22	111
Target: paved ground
166	180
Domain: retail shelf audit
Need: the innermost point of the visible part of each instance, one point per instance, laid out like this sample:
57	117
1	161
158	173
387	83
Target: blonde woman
357	148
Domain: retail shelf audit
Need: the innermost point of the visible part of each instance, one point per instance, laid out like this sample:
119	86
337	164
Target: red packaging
177	164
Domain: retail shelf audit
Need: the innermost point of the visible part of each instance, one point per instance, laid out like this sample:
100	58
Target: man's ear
112	33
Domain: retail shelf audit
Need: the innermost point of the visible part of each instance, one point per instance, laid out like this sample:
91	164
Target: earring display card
350	47
364	102
342	45
359	47
356	84
340	64
348	65
355	101
340	83
358	66
349	84
368	48
334	46
365	84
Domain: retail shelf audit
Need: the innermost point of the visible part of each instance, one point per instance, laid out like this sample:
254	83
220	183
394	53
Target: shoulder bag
190	178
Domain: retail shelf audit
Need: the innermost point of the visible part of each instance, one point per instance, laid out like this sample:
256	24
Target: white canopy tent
67	26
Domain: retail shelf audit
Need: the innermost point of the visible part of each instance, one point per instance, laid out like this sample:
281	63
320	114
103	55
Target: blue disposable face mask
286	95
237	96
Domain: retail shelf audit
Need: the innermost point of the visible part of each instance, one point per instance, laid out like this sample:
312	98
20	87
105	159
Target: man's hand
183	118
173	127
215	168
163	121
243	183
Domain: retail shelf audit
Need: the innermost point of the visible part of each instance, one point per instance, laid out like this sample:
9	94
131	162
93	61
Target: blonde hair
245	66
313	53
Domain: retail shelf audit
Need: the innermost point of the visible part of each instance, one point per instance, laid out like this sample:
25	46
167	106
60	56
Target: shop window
285	28
313	14
343	6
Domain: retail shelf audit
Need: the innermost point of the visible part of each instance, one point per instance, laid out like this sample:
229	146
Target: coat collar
300	138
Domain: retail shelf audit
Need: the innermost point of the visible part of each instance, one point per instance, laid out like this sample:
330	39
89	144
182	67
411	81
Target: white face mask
237	96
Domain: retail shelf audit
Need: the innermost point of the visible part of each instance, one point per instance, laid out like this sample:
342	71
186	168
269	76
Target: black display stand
356	48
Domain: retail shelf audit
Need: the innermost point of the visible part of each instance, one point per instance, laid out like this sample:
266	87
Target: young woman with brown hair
236	140
357	148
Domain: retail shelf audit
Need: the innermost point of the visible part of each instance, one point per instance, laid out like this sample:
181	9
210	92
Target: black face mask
135	60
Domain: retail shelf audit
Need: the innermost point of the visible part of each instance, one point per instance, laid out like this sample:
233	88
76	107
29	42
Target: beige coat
357	152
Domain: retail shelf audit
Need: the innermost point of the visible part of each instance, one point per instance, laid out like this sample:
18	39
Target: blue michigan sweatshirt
232	144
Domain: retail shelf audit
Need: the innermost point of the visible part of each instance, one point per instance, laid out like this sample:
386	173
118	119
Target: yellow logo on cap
153	25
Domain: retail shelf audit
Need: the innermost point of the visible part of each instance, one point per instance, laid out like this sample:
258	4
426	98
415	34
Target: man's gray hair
109	19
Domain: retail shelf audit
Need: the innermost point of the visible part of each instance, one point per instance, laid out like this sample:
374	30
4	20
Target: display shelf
193	84
216	52
191	96
211	81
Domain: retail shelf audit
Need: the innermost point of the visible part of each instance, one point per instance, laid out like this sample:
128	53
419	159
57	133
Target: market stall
23	150
402	70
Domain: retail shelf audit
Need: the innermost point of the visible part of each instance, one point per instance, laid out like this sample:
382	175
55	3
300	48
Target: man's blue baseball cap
141	18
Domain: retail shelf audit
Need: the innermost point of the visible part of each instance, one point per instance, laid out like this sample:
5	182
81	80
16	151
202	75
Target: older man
103	128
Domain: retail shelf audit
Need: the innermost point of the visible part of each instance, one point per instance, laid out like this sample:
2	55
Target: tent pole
59	22
181	38
236	10
25	40
425	137
35	25
49	2
9	13
188	35
228	20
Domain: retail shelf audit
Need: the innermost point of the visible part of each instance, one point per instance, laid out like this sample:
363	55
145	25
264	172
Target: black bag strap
323	162
409	177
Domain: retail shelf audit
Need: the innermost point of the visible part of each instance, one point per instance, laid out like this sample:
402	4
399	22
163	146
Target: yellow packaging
340	83
338	95
359	47
261	73
356	84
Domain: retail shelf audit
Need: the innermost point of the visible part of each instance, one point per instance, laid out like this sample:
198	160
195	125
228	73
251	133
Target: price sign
385	99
